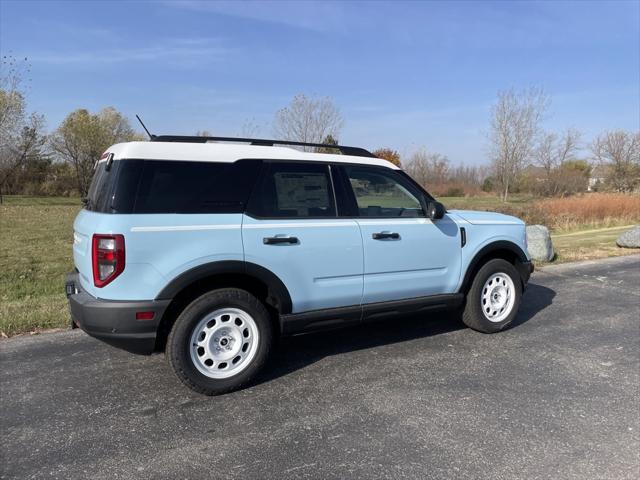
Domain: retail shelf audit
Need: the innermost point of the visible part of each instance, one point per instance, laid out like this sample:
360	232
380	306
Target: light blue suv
210	250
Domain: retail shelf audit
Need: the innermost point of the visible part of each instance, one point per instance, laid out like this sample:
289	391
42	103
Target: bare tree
250	129
471	175
28	144
552	153
13	73
20	134
428	168
308	120
515	122
620	151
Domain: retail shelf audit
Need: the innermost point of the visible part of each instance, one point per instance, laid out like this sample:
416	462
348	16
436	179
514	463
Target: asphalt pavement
556	396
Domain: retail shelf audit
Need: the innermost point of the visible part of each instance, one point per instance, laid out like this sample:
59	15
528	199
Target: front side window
381	193
295	191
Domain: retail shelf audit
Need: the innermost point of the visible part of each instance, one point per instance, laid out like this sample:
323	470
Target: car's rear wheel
220	341
494	297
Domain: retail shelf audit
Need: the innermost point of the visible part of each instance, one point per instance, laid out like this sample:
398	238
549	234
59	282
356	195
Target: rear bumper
112	321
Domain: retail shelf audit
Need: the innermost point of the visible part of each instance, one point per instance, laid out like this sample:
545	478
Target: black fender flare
271	280
500	245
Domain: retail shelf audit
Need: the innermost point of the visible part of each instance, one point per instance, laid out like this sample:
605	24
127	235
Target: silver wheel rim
497	297
224	343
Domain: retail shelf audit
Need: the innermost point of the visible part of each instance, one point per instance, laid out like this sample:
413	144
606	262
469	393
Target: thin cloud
179	52
313	16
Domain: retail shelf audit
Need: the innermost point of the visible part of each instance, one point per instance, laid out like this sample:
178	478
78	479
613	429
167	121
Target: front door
292	229
406	255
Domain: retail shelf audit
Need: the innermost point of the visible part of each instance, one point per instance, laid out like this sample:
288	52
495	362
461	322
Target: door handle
279	240
384	235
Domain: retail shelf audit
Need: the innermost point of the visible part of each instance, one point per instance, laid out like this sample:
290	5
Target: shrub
453	189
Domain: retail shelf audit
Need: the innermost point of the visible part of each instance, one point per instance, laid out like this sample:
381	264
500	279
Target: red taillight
107	253
145	315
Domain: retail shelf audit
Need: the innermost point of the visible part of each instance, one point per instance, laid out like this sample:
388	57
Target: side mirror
435	210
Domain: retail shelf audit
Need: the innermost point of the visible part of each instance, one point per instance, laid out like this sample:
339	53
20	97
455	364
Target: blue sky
403	74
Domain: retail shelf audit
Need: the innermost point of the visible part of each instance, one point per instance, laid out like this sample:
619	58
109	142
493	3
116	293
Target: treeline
524	158
60	163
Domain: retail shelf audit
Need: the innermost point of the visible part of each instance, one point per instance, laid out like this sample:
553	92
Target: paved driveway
556	396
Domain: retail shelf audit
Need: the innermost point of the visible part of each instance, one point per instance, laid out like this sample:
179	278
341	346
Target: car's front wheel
494	297
220	341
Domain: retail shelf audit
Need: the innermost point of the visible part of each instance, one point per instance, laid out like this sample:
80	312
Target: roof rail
354	151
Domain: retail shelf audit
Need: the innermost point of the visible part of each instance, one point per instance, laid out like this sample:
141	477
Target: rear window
158	186
100	191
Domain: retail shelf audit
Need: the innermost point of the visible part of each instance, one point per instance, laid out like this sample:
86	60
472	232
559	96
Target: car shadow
535	299
295	353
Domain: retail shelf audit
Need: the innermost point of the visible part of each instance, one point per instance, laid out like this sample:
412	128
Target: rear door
406	255
292	228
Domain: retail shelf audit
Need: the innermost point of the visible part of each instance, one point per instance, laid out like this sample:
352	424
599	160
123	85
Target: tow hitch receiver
70	289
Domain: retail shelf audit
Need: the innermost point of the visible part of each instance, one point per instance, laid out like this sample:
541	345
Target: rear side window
189	187
291	190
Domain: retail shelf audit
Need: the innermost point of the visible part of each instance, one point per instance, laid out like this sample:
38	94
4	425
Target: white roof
227	152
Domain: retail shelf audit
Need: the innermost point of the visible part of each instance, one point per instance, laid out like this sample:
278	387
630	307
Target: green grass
36	238
385	201
27	200
590	244
484	202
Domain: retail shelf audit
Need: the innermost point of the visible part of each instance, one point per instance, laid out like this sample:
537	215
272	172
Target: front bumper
114	321
525	269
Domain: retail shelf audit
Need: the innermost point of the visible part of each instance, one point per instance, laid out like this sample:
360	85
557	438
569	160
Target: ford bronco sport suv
209	250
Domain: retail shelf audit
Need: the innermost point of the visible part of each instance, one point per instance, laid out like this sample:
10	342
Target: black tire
178	351
473	315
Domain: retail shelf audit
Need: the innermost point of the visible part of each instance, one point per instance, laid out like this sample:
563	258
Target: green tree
328	140
83	137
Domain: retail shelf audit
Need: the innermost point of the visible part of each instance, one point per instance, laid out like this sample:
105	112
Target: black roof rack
354	151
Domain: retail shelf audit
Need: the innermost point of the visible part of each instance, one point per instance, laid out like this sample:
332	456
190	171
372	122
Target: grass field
36	238
35	254
590	244
485	202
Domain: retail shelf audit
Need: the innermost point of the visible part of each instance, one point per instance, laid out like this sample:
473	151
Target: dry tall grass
583	211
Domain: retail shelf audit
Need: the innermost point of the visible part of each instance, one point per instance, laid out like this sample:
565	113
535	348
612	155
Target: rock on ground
539	243
630	238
